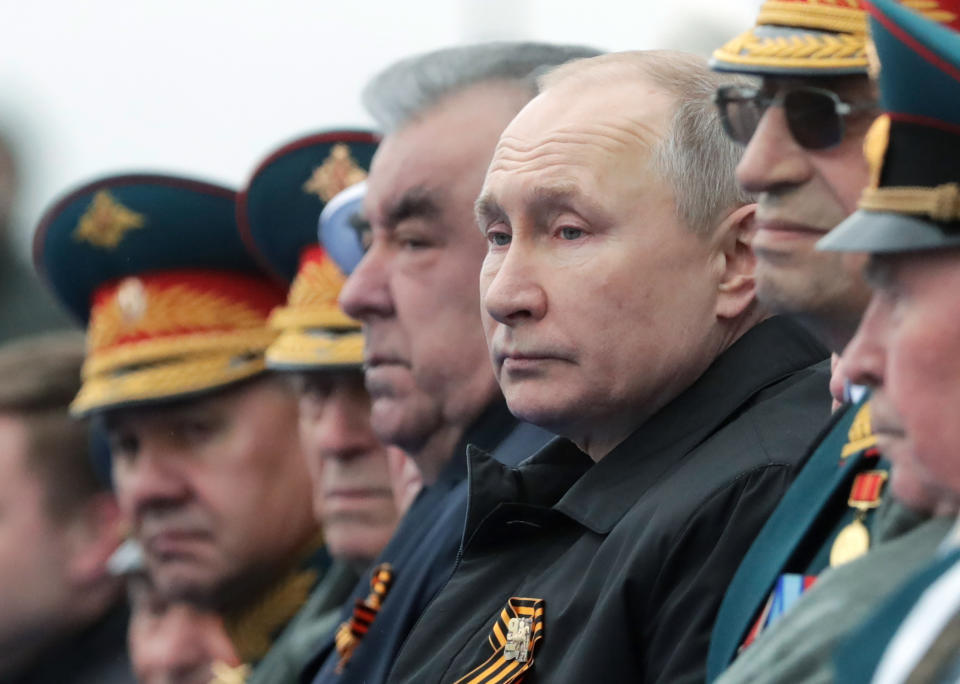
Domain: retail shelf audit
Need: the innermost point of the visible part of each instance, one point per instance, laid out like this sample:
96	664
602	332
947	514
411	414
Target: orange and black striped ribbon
350	633
512	648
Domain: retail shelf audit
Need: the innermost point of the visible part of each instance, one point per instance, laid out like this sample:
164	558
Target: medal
854	540
519	631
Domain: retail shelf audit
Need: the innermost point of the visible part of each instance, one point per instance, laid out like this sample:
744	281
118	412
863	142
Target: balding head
592	263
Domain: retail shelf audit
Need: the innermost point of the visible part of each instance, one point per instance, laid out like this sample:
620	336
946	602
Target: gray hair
696	156
416	84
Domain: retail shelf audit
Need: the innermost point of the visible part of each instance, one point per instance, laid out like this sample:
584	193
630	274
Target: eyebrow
417	202
487	210
545	203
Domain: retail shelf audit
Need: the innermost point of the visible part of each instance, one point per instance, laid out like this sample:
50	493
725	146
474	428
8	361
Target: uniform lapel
815	486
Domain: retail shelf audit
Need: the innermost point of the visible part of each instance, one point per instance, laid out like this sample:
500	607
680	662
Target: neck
834	331
597	439
436	451
599	443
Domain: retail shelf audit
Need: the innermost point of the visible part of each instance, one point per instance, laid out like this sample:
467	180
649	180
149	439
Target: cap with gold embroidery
800	38
277	214
173	302
913	199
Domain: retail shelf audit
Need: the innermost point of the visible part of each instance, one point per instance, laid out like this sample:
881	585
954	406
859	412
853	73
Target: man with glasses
804	129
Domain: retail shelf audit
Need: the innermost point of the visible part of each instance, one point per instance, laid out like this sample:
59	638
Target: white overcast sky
208	87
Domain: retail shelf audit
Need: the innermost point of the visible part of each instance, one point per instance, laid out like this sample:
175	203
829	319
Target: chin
403	423
182	582
912	492
547	415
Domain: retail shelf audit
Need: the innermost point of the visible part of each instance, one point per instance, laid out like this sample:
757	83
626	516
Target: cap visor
872	231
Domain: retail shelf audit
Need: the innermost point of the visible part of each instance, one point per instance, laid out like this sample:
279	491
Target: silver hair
696	156
416	84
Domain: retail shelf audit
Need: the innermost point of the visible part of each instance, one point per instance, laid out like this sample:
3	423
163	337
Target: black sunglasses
815	116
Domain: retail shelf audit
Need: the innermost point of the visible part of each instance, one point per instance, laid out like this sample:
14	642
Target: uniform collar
564	480
255	628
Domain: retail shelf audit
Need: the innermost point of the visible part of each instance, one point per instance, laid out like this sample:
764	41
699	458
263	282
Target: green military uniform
176	307
911	205
278	214
820	521
800	533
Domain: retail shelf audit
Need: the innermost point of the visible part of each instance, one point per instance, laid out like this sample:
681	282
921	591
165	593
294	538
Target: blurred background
206	87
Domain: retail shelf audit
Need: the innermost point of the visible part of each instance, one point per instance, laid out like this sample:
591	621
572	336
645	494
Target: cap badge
337	173
106	222
132	300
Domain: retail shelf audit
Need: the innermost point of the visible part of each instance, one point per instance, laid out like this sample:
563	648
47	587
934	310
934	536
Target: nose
342	429
366	293
772	159
149	481
865	357
509	286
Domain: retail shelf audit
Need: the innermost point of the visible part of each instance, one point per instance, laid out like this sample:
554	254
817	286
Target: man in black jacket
415	292
618	304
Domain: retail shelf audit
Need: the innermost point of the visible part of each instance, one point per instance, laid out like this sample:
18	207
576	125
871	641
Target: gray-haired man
415	291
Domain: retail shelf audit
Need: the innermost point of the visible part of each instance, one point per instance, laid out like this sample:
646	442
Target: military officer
906	346
827	517
321	349
803	127
206	460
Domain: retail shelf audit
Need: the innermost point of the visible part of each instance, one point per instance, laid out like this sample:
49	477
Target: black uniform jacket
575	572
423	551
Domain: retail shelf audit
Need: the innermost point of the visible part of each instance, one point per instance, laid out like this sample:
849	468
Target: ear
736	289
96	532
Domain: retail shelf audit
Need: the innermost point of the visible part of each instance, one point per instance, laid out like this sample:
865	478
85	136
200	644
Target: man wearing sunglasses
804	129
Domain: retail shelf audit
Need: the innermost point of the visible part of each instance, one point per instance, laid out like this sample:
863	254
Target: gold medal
854	539
852	542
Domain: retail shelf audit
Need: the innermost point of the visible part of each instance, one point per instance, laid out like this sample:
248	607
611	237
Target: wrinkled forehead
604	136
611	115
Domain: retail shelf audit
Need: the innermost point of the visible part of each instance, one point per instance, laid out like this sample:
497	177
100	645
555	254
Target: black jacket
422	552
618	567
